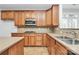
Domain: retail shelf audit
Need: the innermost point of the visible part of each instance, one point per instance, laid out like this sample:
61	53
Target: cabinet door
28	14
44	40
16	16
55	15
26	42
32	40
17	49
33	14
48	17
3	15
60	49
52	43
20	47
48	44
41	18
10	15
19	18
7	15
38	40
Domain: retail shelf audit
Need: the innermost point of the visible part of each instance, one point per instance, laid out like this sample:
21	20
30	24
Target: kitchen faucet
73	33
62	33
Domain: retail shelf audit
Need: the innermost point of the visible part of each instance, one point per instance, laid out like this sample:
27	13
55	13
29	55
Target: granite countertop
70	47
73	48
6	42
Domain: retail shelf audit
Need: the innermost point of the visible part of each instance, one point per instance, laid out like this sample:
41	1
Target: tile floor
35	51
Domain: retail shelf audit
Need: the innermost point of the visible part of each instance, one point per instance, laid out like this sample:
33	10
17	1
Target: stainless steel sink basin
68	40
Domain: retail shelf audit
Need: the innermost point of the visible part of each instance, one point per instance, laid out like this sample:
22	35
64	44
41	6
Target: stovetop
29	32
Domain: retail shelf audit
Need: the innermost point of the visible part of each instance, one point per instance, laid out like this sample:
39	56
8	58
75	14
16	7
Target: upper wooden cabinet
48	17
7	15
28	14
40	18
55	15
19	18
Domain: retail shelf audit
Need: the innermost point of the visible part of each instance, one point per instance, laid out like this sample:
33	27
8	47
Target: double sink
68	40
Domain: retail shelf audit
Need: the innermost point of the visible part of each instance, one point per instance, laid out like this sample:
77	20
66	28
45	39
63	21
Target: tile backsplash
38	30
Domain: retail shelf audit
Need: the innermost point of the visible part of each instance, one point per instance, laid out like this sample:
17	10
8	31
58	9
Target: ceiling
70	6
25	6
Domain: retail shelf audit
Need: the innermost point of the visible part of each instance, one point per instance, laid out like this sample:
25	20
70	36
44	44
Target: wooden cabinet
38	15
55	15
35	40
32	38
55	48
26	41
28	14
52	45
41	20
19	18
16	49
60	49
48	44
48	17
39	40
7	15
45	40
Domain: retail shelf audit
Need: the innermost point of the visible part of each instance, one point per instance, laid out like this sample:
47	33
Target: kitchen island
11	45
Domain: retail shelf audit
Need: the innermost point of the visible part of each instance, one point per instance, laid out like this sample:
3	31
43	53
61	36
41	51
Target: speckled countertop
73	48
6	42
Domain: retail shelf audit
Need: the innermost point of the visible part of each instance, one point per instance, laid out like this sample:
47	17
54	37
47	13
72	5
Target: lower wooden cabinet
45	39
26	41
60	49
39	40
55	48
35	40
17	49
32	39
52	45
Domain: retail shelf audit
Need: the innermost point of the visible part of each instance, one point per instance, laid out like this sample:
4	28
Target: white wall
7	27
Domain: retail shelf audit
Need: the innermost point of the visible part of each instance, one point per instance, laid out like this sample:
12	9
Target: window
69	20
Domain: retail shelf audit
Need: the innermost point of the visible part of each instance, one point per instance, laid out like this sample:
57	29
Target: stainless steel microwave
30	21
